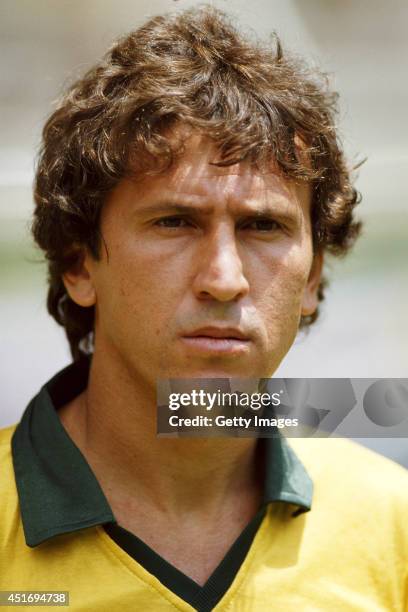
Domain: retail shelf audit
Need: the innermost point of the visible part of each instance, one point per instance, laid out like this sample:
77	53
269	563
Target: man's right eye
172	222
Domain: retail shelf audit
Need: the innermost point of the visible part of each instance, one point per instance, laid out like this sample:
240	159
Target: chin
219	371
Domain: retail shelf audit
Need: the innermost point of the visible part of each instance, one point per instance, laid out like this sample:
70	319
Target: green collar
59	493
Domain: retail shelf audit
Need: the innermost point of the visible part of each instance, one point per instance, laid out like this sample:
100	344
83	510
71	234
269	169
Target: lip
217	340
231	333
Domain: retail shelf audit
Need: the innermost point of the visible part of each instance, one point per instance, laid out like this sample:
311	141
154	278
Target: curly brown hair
197	69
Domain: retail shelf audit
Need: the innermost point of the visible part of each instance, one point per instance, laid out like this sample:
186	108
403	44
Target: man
187	189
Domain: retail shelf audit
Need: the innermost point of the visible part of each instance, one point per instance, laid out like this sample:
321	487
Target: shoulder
353	461
357	526
6	434
6	460
355	479
8	490
350	464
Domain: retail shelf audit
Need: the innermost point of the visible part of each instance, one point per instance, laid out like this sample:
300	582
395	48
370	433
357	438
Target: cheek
279	301
137	291
283	279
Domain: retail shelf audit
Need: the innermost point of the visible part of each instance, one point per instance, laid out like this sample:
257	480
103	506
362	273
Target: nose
220	273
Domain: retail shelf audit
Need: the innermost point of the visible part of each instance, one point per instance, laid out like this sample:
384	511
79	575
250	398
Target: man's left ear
310	300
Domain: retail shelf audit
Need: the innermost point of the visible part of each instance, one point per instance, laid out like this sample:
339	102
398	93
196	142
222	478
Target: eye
262	225
172	222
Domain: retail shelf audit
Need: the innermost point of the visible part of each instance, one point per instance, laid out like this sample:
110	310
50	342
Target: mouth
217	340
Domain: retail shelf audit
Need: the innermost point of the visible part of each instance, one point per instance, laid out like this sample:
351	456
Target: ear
78	281
310	300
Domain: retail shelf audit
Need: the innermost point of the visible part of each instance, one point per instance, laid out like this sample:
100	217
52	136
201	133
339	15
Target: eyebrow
175	207
263	210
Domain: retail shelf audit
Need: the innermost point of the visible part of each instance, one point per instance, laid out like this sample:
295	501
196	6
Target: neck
113	422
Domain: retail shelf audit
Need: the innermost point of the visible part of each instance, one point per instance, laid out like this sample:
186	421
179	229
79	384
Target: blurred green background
363	329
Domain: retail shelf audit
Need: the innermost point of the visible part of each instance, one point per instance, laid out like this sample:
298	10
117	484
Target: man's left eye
262	225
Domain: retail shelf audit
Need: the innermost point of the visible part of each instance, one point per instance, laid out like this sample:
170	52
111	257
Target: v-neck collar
59	493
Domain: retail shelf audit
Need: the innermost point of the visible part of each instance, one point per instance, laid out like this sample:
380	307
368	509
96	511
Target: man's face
209	270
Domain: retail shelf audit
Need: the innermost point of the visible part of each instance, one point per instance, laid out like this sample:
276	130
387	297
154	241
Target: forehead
195	167
192	175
